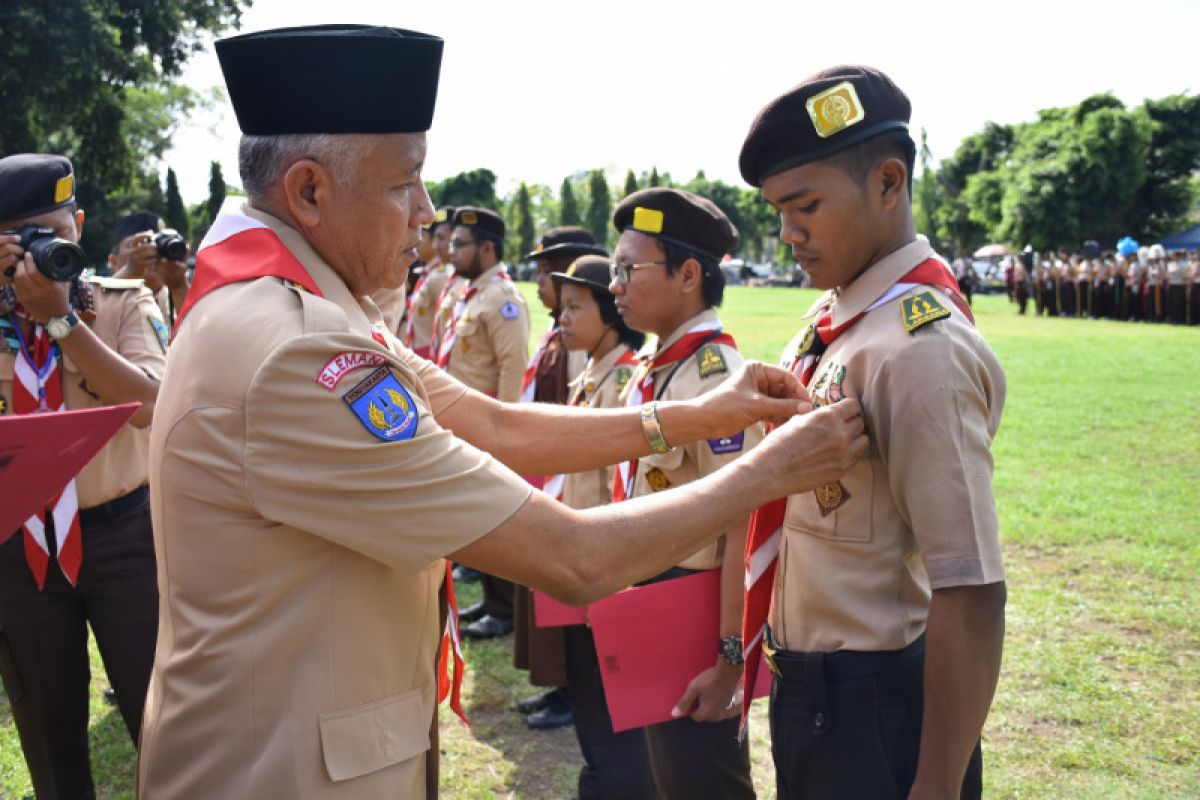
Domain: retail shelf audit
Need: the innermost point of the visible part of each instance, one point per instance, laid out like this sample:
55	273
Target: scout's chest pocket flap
364	739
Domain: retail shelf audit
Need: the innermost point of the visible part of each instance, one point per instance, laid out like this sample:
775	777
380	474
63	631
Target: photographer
88	557
143	249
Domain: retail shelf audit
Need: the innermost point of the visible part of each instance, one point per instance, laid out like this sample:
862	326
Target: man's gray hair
263	160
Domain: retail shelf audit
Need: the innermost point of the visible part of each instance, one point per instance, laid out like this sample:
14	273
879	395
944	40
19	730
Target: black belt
838	666
114	509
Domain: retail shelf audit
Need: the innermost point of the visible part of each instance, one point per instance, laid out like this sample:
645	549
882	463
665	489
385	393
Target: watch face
58	327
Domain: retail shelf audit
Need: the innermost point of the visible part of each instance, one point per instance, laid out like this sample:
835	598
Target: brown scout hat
590	271
482	222
679	217
566	240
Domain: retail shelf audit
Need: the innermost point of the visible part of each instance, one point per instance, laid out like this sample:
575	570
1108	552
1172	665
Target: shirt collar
877	279
707	315
488	273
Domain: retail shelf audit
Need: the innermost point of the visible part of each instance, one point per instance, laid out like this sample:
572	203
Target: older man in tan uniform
886	617
87	560
306	483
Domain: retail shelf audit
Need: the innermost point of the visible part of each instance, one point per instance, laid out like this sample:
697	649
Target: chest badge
831	497
657	480
383	406
711	361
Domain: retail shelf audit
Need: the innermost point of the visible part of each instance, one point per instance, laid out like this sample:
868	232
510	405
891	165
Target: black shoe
488	627
110	696
472	613
466	574
549	718
537	702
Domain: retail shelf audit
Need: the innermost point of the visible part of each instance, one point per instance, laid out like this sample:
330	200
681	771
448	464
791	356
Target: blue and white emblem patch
383	406
160	330
509	310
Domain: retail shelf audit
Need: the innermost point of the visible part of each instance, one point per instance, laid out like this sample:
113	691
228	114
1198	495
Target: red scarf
446	345
762	542
38	389
409	317
529	381
239	248
643	388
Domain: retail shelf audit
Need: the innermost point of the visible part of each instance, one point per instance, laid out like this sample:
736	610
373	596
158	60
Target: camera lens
57	259
171	246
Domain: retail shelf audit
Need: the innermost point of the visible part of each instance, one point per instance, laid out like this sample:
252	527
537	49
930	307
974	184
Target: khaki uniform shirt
491	345
917	512
699	373
424	304
598	386
390	303
300	555
128	321
445	300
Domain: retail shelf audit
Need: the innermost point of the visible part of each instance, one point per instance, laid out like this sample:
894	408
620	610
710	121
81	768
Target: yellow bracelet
653	429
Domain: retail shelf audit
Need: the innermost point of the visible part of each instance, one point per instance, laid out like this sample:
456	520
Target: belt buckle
769	655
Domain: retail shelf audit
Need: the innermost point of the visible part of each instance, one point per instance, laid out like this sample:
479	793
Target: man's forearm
964	640
112	378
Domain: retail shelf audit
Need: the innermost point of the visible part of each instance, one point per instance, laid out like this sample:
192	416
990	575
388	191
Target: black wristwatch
731	651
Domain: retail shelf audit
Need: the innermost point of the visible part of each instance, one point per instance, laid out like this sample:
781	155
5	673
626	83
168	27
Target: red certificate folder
40	453
652	640
549	613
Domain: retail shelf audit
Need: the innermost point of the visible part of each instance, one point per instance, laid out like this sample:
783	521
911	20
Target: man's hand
757	391
142	255
10	255
171	274
710	695
41	297
811	450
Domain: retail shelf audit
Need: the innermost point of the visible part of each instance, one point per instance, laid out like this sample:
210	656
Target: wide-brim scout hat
824	114
332	79
482	222
679	217
566	241
589	271
34	183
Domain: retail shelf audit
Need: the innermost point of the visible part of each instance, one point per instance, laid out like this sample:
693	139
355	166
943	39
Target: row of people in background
1148	286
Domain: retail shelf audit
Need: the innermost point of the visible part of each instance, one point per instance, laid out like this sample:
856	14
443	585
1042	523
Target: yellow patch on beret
835	109
469	218
64	188
647	220
441	215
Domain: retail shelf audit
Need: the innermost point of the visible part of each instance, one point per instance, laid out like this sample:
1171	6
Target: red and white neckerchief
529	381
38	389
554	483
452	282
409	330
762	541
446	345
240	248
643	388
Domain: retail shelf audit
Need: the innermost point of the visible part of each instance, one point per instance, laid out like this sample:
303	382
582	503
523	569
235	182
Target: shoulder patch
343	363
115	284
623	375
160	330
383	406
921	309
510	310
710	361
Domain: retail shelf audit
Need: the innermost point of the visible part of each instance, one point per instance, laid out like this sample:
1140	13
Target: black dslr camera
57	259
171	245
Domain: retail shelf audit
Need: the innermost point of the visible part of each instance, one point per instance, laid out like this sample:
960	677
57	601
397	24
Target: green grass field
1096	483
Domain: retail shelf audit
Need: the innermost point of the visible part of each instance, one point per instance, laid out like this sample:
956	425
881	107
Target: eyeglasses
458	244
620	271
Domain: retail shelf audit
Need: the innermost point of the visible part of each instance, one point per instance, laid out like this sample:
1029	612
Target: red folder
652	640
40	453
549	613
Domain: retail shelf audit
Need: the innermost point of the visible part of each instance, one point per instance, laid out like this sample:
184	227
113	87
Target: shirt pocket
363	739
843	512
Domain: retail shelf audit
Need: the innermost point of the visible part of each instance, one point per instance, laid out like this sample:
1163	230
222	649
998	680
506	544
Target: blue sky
535	89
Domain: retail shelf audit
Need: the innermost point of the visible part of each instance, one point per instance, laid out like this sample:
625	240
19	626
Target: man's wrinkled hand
813	449
756	392
711	695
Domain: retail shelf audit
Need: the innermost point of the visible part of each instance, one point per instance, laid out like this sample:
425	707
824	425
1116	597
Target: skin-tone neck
608	341
688	307
896	230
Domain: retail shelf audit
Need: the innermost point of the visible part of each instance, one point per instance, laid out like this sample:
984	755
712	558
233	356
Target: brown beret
828	112
33	183
442	216
481	221
591	271
679	217
566	240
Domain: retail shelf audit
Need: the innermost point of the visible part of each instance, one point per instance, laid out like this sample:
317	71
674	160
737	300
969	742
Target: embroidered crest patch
160	330
835	109
731	444
921	309
830	497
383	406
657	480
623	375
710	361
509	310
341	364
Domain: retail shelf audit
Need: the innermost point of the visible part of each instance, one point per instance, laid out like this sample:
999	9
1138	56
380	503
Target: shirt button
819	721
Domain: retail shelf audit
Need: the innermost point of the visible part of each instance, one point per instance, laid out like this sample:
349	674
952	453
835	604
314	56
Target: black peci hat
332	79
136	223
566	240
481	221
824	114
34	183
679	217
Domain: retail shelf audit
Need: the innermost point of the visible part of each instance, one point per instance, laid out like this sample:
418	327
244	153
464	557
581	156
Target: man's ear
304	187
892	182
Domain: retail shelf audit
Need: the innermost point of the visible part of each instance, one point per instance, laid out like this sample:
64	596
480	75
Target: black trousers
43	643
699	760
848	725
497	596
616	766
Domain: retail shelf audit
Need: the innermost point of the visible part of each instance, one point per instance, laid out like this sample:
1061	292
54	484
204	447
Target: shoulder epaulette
921	309
115	284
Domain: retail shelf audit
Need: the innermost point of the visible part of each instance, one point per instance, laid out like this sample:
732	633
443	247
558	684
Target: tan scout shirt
300	556
697	374
128	321
917	513
491	345
390	303
598	386
424	304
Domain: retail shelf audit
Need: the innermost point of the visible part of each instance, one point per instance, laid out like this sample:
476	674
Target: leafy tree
474	188
654	179
569	211
1164	198
523	222
599	209
216	191
927	194
176	216
631	184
